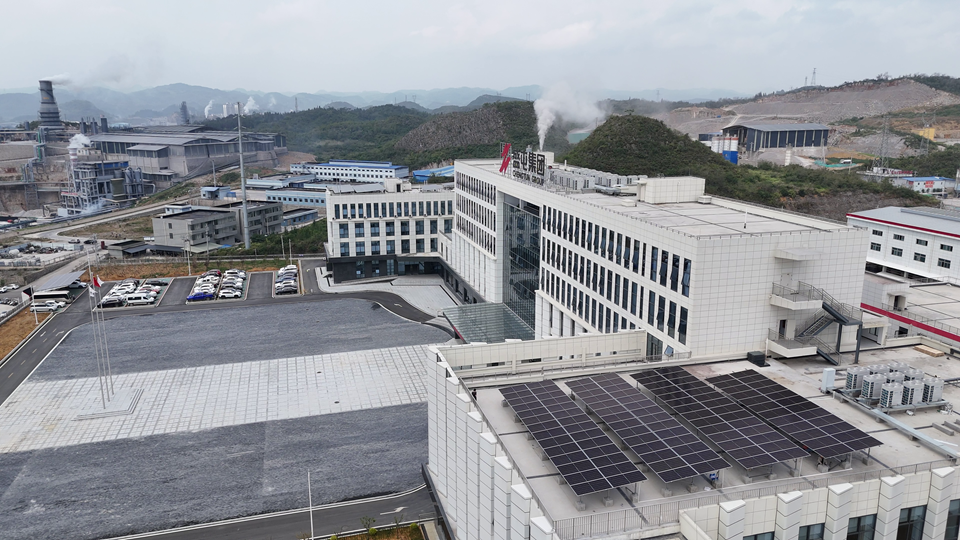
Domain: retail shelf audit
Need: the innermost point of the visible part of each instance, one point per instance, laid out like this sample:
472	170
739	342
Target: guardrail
554	367
651	516
921	319
851	312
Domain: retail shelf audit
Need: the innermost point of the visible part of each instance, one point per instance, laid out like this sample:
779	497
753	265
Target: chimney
49	112
103	124
83	126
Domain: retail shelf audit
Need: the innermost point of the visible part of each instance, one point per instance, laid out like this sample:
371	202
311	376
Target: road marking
397	511
35	350
399	305
42	333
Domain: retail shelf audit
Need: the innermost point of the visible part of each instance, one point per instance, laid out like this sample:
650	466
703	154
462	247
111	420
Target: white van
139	299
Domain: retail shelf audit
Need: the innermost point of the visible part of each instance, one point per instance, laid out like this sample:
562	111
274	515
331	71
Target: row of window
308	200
616	247
920	242
909	527
360	229
661	312
405	209
479	235
479	189
360	248
919	257
477	212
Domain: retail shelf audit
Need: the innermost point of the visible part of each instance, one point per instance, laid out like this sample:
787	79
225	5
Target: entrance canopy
487	323
61	281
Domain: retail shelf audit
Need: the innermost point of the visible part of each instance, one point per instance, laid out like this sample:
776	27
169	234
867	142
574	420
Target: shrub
372	531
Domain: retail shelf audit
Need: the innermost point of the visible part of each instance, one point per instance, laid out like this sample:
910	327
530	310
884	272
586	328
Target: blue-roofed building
351	171
754	137
424	174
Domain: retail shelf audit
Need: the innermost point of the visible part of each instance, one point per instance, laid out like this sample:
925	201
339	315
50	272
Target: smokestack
49	112
103	124
83	126
73	158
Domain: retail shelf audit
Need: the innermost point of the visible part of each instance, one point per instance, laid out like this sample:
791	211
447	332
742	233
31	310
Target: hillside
639	145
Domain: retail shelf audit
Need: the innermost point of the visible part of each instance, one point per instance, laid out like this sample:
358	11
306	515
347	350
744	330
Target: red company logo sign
505	158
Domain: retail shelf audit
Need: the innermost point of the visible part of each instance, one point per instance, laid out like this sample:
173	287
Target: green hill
945	162
630	145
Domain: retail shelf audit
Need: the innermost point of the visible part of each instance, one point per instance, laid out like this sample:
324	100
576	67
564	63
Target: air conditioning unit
855	378
891	395
932	389
912	392
872	385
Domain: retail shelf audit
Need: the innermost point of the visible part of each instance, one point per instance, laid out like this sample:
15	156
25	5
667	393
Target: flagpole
96	339
106	348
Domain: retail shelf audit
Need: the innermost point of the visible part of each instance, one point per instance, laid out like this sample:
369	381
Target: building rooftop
718	217
192	214
802	376
936	220
779	127
356	163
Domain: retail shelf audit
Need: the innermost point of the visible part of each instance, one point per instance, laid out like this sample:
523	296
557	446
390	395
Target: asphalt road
331	519
260	286
309	269
177	291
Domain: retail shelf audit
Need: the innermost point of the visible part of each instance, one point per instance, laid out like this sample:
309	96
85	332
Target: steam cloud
62	79
562	101
207	109
251	106
79	141
273	103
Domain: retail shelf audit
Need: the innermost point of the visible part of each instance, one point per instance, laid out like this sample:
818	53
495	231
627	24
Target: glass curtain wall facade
522	244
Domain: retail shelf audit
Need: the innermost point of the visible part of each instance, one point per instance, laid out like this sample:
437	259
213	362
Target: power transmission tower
881	159
813	80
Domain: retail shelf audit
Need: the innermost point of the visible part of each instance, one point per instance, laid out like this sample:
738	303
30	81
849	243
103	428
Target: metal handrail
810	322
921	319
651	516
847	310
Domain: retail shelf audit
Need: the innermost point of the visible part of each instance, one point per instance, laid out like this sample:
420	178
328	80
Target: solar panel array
586	458
794	415
743	436
663	443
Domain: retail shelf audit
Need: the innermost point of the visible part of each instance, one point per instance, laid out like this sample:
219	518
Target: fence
10	314
556	367
668	513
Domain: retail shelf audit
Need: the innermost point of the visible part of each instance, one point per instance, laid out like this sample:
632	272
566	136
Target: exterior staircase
832	311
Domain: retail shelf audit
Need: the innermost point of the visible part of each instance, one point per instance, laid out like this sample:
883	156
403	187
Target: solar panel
586	458
794	415
663	443
743	436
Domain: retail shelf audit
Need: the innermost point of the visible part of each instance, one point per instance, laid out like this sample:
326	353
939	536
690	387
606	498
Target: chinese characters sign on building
529	166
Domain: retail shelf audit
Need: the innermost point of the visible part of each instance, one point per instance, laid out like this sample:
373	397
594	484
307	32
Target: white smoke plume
207	109
251	106
562	101
79	141
273	103
62	79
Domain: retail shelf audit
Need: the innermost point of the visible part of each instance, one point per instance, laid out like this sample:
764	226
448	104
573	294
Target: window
404	228
896	252
661	312
361	250
861	528
682	326
953	520
877	233
419	245
344	249
874	246
391	248
664	262
943	263
433	225
921	242
359	269
433	245
419	225
898	237
404	246
447	226
358	230
672	319
375	228
945	247
811	532
674	273
761	536
344	230
336	211
911	523
919	257
685	289
375	247
653	263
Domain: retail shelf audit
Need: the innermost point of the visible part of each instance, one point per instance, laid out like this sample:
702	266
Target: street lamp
310	503
186	252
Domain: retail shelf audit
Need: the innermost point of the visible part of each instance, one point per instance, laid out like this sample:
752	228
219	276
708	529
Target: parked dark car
156	282
290	289
111	302
200	296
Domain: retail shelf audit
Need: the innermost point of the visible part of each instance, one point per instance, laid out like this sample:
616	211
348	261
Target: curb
26	339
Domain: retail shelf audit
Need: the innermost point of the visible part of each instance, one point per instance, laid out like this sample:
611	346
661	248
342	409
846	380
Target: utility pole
310	503
243	183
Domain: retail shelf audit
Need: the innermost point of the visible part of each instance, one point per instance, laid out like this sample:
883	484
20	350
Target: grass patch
17	329
133	227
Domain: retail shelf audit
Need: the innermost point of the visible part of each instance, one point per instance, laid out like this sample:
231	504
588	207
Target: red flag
96	281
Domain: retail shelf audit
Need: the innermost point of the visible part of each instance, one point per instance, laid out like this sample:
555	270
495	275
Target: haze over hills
125	106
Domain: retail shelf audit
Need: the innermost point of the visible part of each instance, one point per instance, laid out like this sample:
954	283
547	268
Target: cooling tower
49	112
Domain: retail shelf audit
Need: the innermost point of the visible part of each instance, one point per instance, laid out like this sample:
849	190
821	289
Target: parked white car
49	305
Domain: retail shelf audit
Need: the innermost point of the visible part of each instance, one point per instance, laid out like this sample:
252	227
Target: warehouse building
338	170
755	137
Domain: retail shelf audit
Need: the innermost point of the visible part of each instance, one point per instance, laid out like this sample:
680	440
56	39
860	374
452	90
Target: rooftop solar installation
743	436
663	443
586	458
794	415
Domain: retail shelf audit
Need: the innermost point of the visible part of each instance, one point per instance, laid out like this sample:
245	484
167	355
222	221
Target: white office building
387	233
351	171
911	242
699	274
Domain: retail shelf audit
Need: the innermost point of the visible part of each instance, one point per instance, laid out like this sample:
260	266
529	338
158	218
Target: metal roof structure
487	323
58	282
934	220
780	127
148	147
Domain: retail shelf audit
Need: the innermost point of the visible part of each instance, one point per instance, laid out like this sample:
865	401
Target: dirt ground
108	272
135	227
14	330
293	157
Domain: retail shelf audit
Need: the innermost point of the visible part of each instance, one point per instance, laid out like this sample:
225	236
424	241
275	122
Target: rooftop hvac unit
855	378
872	385
932	389
879	368
895	377
898	366
891	395
912	392
913	374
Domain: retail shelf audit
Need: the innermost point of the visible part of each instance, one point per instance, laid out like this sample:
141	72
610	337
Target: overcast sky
355	45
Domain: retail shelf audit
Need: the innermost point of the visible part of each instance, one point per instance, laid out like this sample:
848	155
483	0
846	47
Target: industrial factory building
755	137
337	170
